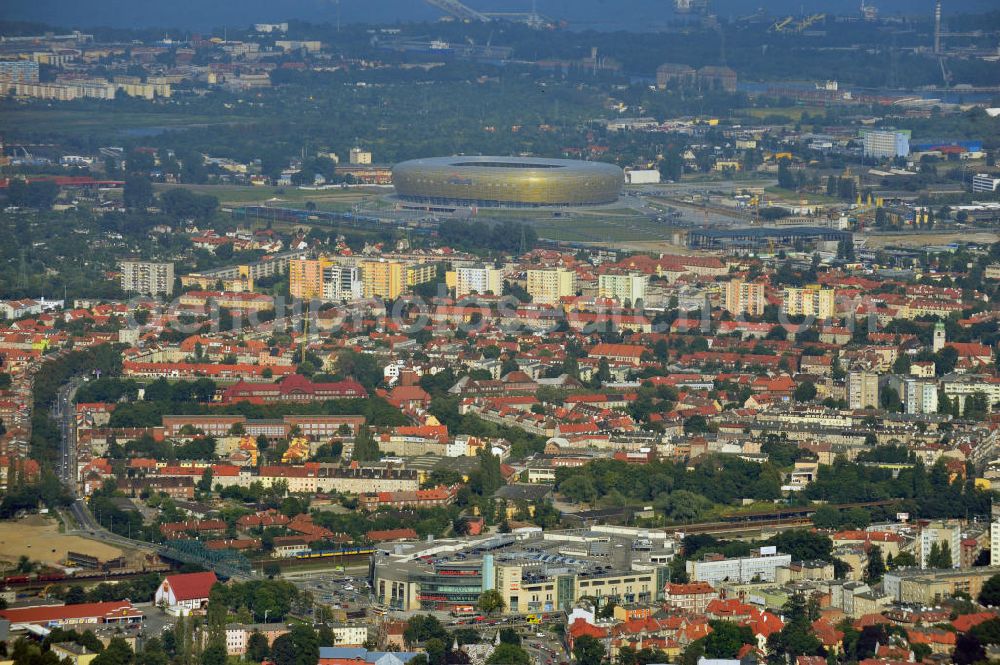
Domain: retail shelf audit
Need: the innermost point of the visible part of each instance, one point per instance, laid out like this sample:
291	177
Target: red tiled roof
391	534
618	350
967	622
65	612
191	586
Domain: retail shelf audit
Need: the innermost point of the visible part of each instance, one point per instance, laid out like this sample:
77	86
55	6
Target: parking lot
342	590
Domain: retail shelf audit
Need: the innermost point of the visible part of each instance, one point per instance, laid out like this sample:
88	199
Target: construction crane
459	11
781	24
809	21
945	73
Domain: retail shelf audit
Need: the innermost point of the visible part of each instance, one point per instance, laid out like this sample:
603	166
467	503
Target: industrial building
507	181
758	237
532	570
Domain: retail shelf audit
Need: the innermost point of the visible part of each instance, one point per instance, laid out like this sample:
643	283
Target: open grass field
602	229
597	225
70	122
237	195
37	537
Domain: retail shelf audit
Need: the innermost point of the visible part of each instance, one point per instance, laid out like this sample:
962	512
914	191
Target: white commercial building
642	177
963	386
739	569
983	182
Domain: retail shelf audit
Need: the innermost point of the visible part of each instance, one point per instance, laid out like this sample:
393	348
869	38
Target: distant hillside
583	14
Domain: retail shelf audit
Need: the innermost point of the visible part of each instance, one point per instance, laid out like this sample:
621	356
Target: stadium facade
507	181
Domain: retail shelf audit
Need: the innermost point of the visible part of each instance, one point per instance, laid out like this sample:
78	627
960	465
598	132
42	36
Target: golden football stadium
507	181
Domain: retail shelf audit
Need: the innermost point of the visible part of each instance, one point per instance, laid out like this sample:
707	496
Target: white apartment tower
547	286
630	287
479	279
147	277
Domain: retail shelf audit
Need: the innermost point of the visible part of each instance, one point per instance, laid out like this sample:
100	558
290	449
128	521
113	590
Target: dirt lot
924	239
38	537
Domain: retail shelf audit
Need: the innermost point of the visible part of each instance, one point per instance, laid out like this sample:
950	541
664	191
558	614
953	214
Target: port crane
463	12
459	10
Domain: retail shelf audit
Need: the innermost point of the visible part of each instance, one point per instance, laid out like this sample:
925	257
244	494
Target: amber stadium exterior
507	181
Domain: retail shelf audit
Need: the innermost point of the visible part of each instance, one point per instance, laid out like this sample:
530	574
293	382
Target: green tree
138	192
283	650
989	595
875	569
257	647
726	639
365	447
785	178
588	650
214	655
421	628
509	654
118	652
796	638
579	489
939	556
436	650
510	636
491	602
805	392
902	560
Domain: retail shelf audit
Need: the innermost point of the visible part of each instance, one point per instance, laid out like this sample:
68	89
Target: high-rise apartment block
628	287
342	283
546	286
305	277
862	390
382	279
420	273
18	71
744	298
479	279
885	144
323	279
946	534
995	535
920	396
147	277
812	301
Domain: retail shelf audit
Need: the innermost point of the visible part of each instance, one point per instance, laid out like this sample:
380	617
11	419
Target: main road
67	469
79	511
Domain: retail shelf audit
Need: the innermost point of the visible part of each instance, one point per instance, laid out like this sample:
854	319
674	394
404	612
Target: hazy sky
596	14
